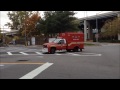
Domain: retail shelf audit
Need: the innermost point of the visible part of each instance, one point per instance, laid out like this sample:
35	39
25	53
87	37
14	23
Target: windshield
56	40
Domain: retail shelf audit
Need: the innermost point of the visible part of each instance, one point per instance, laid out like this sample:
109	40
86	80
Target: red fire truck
65	42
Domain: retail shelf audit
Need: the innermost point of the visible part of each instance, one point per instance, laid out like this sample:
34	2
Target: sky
79	14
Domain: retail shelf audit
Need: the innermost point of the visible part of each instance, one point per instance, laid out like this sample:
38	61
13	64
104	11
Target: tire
52	50
75	49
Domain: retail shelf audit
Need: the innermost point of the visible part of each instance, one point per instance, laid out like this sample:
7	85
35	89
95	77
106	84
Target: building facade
92	25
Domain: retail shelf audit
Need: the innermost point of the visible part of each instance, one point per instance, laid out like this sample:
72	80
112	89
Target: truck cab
57	45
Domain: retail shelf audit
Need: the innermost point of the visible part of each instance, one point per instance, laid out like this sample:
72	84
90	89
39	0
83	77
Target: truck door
63	44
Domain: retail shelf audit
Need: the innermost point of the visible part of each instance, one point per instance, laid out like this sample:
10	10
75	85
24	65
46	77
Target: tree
111	27
17	18
30	24
58	22
20	20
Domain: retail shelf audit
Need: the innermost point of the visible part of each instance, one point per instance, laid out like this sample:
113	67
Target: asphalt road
95	62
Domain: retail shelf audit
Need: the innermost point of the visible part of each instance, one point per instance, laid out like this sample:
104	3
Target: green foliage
111	27
53	22
57	22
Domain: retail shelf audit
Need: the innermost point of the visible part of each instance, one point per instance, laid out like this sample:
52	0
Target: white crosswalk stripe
20	49
73	54
9	53
24	53
39	53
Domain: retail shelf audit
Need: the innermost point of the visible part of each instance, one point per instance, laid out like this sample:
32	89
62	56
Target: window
61	42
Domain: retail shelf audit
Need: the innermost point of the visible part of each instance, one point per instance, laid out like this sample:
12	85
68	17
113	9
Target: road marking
92	55
36	71
58	54
39	53
60	51
9	53
1	65
88	53
20	63
24	53
73	54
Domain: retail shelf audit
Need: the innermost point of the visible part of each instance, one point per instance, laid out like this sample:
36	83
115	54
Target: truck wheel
76	49
52	51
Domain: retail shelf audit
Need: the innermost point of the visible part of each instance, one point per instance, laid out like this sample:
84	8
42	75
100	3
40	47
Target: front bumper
44	50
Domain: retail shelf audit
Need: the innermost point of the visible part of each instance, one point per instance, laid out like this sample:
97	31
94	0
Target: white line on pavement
92	55
73	54
24	53
39	53
37	71
88	53
58	54
9	53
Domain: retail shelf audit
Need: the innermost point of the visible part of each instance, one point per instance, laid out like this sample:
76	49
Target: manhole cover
22	60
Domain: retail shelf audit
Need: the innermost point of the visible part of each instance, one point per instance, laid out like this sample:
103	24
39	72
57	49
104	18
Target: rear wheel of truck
75	49
52	50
